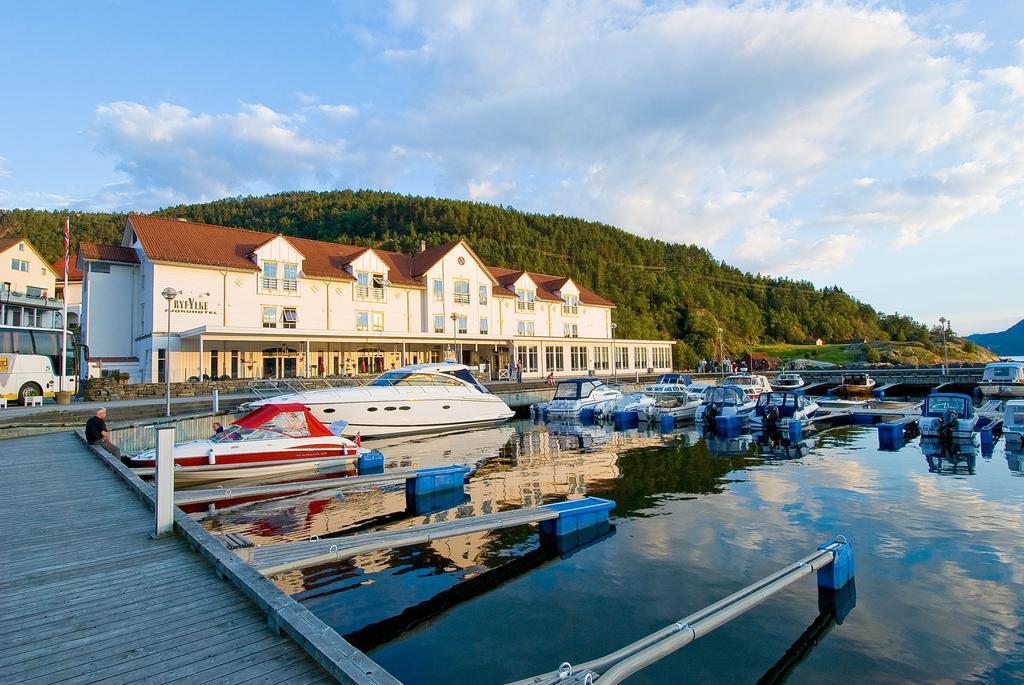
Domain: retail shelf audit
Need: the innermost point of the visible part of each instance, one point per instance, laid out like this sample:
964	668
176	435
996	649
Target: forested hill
1009	343
663	290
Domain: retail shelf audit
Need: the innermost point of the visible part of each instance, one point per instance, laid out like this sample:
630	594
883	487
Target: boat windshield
669	379
574	391
408	378
740	380
289	424
724	396
855	379
939	405
1001	372
777	399
465	375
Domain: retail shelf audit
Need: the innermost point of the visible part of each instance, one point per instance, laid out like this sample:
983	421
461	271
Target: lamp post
615	370
943	322
721	351
169	295
455	336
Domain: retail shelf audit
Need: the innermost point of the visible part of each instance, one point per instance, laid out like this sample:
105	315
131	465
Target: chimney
423	246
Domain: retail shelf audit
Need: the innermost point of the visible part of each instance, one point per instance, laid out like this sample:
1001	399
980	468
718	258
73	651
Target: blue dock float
796	432
370	462
587	415
625	420
729	426
890	435
879	392
575	516
436	479
836	575
667	423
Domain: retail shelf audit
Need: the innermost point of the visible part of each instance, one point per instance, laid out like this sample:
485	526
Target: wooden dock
87	596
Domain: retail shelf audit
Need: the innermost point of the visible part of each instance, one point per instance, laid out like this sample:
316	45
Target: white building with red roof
250	304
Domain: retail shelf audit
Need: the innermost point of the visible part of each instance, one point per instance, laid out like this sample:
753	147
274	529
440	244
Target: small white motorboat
680	408
1003	379
948	417
788	380
1013	424
776	408
635	401
669	384
724	400
574	395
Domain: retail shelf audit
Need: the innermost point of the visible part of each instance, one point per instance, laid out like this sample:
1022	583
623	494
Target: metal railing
367	293
462	298
138	438
570	309
265	389
524	306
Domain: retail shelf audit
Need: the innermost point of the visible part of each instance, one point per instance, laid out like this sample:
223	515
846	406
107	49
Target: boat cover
291	419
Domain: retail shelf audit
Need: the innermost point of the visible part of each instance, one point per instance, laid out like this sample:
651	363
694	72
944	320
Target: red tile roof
73	273
9	242
186	242
108	253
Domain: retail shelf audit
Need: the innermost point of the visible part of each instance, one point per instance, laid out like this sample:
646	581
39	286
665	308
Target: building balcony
524	306
365	293
461	298
570	310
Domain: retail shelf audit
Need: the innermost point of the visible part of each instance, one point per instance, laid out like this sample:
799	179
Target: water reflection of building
525	470
1015	460
729	447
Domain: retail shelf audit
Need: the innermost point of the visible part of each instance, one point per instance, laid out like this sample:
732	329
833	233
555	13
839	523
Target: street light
615	370
943	322
721	351
169	295
455	336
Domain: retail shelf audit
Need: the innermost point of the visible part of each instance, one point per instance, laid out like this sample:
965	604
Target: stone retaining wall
103	389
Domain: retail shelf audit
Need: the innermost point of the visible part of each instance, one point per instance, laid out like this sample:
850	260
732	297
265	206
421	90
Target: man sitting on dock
96	433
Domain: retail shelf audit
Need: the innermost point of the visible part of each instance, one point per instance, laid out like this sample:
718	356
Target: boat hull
997	390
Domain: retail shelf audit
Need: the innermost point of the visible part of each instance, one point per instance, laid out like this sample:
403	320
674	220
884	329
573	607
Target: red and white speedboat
272	439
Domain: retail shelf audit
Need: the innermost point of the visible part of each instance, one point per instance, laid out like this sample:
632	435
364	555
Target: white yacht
419	398
574	395
788	380
724	400
1003	379
753	384
669	385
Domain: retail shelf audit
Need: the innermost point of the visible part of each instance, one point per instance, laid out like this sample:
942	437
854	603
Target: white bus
30	362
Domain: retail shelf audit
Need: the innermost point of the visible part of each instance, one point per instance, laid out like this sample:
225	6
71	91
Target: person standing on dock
96	433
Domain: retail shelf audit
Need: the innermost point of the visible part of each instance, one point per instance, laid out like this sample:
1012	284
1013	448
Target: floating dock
87	594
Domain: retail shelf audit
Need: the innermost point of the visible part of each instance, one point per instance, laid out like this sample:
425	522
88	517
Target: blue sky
874	145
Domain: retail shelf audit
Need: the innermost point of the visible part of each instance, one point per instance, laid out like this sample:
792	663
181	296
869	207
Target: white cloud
5	171
739	125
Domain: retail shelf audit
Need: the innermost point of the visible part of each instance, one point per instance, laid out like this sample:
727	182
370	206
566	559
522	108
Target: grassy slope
889	352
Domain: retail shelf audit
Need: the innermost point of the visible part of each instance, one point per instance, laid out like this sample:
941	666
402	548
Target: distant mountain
1008	343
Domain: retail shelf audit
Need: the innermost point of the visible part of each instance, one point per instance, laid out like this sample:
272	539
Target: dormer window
525	299
270	276
370	287
291	278
571	305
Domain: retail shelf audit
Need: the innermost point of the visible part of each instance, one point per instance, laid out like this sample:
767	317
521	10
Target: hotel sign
191	305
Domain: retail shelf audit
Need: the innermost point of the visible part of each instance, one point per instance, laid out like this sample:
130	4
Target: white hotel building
258	305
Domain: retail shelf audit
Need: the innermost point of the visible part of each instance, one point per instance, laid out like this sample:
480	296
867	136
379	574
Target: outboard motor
947	427
770	421
710	414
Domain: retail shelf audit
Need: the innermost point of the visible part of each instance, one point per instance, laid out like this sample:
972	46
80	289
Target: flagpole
64	320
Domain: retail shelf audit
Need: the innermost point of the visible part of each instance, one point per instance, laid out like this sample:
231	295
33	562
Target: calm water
939	583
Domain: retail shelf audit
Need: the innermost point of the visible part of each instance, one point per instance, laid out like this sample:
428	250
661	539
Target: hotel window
377	321
269	317
291	278
601	358
362	321
21	247
640	357
525	299
554	359
528	358
161	365
524	328
270	275
661	357
438	323
483	293
571	305
462	324
571	330
19	265
484	325
461	291
370	287
438	290
290	317
621	357
577	358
